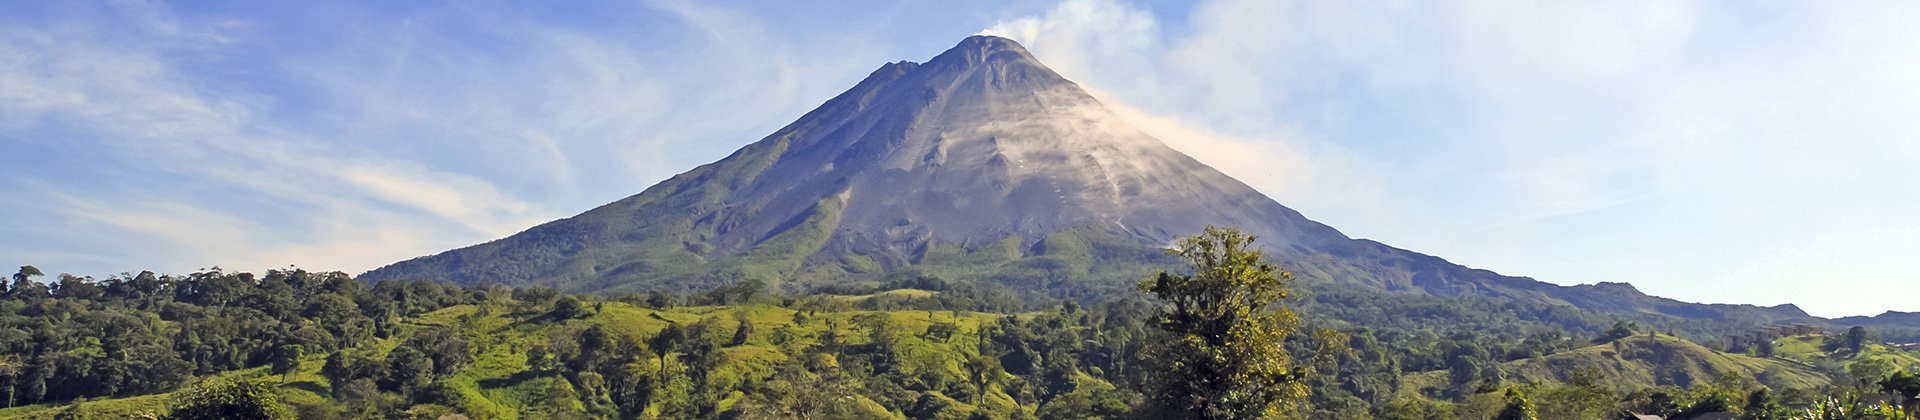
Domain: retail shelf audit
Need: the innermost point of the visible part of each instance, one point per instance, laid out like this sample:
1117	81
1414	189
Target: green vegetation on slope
416	349
905	347
1646	361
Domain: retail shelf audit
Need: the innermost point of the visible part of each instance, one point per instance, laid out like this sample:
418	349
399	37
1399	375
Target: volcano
981	164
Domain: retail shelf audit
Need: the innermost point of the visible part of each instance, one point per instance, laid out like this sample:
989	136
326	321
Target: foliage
1906	385
228	401
1856	339
915	345
1221	354
1517	408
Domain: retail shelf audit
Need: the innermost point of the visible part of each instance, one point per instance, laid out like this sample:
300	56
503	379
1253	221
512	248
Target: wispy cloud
383	137
246	175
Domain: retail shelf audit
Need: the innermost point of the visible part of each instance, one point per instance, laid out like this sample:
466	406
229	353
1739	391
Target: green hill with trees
1643	361
502	353
1224	337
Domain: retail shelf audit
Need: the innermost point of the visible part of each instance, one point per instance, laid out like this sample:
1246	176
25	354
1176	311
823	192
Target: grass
904	294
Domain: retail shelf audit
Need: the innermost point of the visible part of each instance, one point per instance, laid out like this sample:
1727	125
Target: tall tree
745	330
1857	339
286	359
1223	356
337	370
668	341
25	274
10	368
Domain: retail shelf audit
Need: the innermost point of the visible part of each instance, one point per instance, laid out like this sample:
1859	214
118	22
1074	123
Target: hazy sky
1741	152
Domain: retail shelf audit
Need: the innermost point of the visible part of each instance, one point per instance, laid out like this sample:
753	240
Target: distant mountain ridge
981	164
1884	319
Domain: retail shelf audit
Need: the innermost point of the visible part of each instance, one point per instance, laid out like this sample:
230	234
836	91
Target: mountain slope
979	145
981	164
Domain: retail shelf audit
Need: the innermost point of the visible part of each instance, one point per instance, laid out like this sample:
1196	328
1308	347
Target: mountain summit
981	164
978	144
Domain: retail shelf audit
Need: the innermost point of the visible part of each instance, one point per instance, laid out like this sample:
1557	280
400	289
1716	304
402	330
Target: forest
1226	336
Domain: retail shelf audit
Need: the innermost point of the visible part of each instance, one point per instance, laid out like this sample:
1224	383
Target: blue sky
1741	152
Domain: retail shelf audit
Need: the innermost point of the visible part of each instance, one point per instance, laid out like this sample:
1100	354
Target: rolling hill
1641	362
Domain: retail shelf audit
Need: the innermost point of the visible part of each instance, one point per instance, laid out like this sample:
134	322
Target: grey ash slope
981	163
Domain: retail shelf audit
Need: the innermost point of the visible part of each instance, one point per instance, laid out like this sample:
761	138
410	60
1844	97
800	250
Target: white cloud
396	138
1104	43
1276	167
128	231
1501	134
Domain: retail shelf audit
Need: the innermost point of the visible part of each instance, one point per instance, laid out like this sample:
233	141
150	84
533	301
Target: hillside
332	347
1639	362
499	383
502	382
1813	349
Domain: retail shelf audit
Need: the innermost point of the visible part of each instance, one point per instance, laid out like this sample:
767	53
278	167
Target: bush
242	400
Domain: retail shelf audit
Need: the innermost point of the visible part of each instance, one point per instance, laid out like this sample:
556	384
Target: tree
25	275
669	340
596	349
1906	385
1223	356
1582	397
286	360
1867	372
10	368
407	369
1621	329
447	348
1857	339
1762	406
568	307
231	400
76	287
659	300
982	371
337	370
880	337
940	331
1517	408
33	385
744	331
541	360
